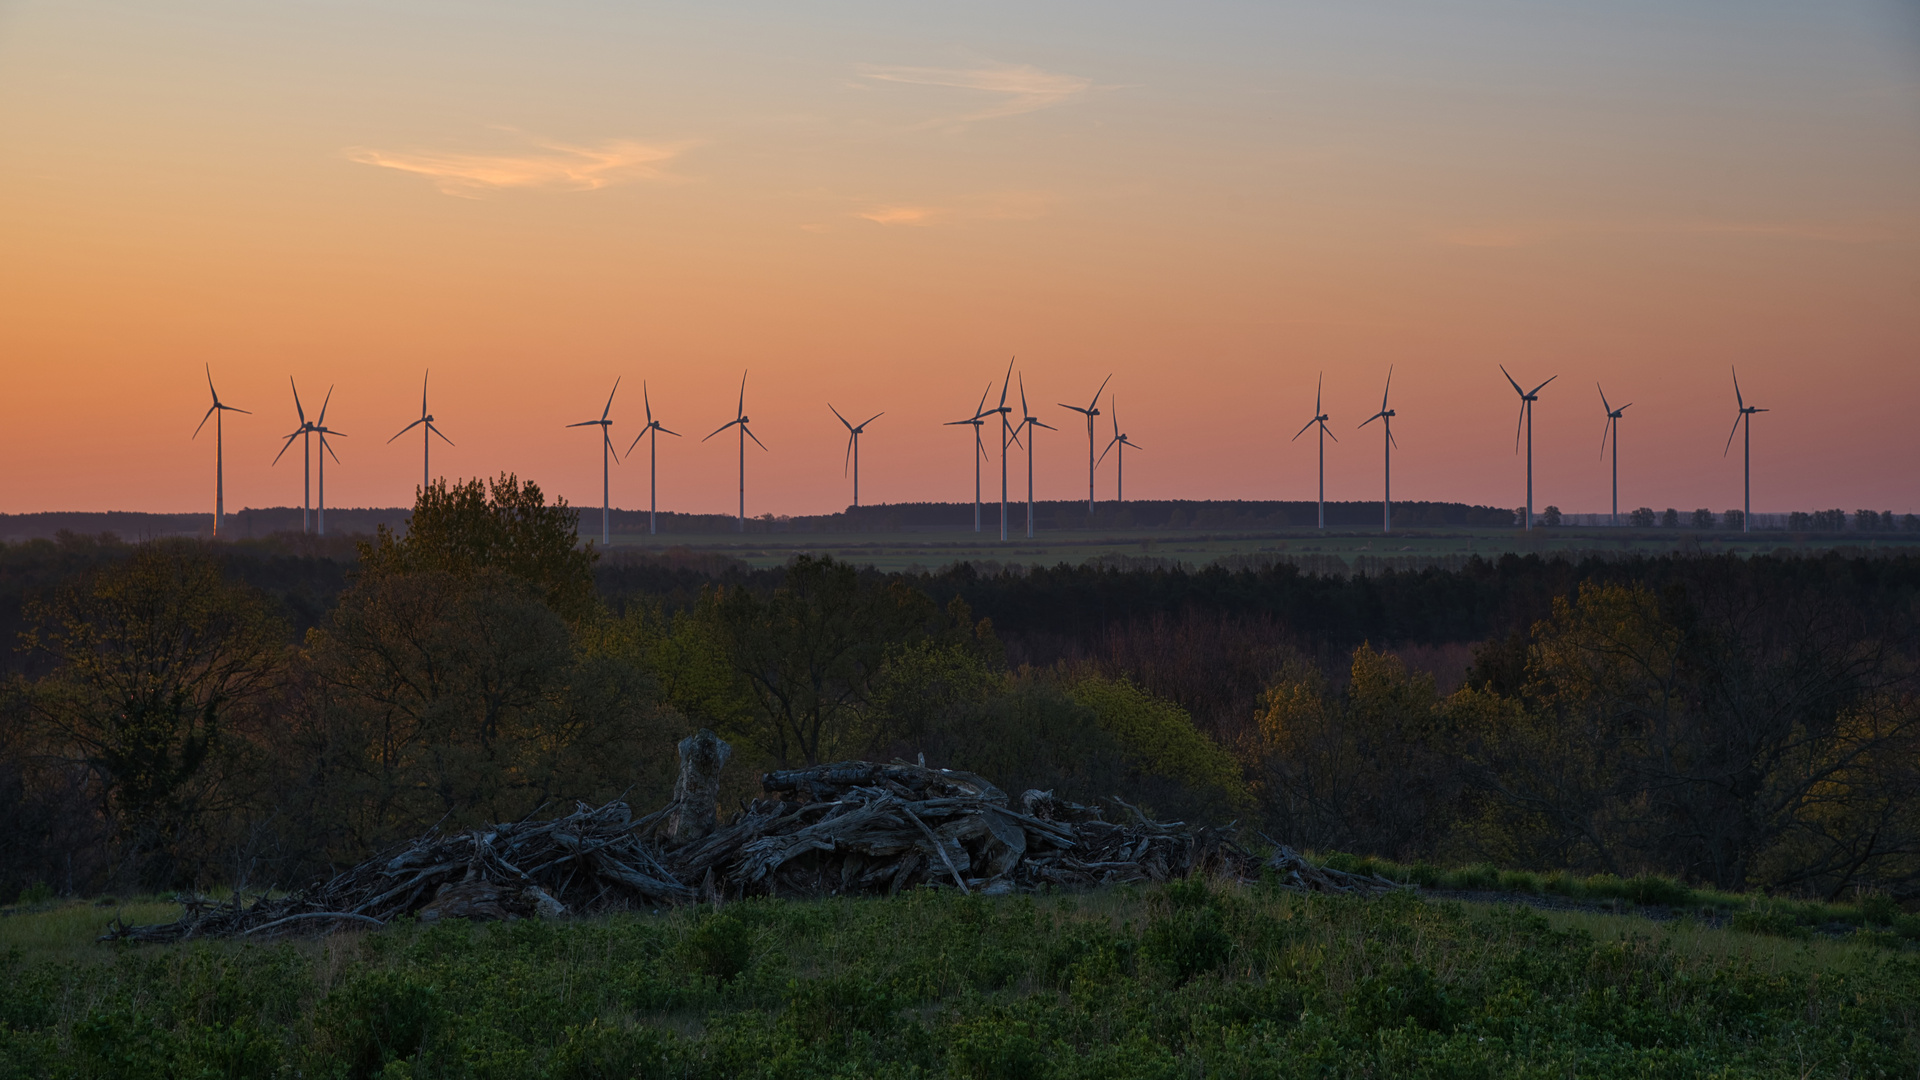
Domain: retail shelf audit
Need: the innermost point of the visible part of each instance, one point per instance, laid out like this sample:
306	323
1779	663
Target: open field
1189	980
935	548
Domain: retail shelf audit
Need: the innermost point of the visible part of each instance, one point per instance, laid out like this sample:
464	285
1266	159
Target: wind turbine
219	452
1612	428
425	423
304	433
1385	416
1006	429
853	449
1744	416
1029	422
1092	410
1527	398
979	451
321	429
740	418
654	429
1119	460
1319	418
606	473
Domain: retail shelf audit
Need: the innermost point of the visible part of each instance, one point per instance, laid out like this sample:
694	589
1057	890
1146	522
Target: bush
1771	921
721	947
1403	994
379	1017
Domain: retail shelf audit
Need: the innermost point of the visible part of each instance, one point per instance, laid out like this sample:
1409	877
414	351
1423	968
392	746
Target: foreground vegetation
1191	980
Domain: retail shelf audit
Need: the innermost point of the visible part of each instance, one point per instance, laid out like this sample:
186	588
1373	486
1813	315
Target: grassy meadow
1190	980
928	550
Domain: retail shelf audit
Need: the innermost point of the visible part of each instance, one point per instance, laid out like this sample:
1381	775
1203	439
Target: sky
878	206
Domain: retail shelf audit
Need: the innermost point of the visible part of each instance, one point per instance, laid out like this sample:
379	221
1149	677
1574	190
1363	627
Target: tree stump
696	794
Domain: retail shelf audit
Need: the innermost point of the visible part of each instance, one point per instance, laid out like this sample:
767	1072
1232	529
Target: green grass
67	929
1750	913
1186	981
931	550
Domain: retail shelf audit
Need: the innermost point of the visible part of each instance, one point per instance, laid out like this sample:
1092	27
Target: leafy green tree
808	653
501	525
163	673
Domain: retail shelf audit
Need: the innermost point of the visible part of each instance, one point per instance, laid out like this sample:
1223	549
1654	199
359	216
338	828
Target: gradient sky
878	204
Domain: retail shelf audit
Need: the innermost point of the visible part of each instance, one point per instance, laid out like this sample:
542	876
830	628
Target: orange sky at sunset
877	205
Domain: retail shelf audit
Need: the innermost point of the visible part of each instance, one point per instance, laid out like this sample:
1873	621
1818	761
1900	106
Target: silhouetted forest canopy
183	713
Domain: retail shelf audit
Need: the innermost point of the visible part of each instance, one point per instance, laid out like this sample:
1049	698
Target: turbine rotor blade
863	424
1388	390
1731	434
409	427
437	431
741	409
610	393
283	447
1318	382
636	440
328	447
211	409
606	437
302	413
323	406
1075	408
1096	394
847	458
1515	385
657	427
1541	387
1329	431
646	400
720	429
210	389
1738	400
836	412
1303	431
1023	394
1518	424
751	435
423	391
1603	399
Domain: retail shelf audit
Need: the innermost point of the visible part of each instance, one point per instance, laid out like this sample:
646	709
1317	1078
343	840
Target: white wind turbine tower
219	453
655	430
979	451
1745	416
1092	410
1006	429
321	429
1527	398
425	423
852	456
1385	416
740	418
304	433
606	473
1612	428
1029	422
1119	460
1319	418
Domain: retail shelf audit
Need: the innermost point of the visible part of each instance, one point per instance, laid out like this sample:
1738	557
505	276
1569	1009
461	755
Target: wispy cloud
551	165
1019	88
1002	206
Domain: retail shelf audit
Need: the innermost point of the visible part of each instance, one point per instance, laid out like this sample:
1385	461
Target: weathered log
696	794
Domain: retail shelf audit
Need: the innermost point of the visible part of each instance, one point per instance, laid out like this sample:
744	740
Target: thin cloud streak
1006	206
562	167
1023	88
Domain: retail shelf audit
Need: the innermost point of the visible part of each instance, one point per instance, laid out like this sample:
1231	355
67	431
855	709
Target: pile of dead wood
846	828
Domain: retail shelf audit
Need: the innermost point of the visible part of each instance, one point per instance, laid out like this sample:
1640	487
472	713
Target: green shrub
1878	909
597	1051
1402	994
380	1016
721	946
996	1047
1773	921
1186	943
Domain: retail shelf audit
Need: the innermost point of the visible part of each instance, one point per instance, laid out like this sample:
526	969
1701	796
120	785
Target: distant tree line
185	714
